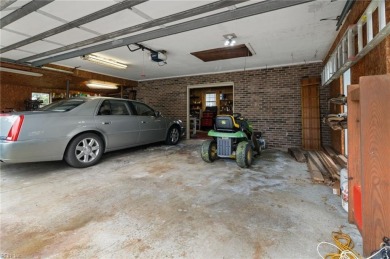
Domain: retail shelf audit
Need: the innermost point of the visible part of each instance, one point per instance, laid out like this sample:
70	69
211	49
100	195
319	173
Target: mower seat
226	123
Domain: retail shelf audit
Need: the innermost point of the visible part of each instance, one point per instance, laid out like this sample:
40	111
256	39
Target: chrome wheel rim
174	135
87	150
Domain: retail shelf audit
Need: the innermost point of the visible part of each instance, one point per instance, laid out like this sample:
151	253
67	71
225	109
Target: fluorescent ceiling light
17	71
101	85
104	61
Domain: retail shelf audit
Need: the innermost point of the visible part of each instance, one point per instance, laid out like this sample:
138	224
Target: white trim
189	87
17	71
235	70
94	72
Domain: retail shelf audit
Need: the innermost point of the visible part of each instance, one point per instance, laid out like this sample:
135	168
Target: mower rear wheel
244	154
209	151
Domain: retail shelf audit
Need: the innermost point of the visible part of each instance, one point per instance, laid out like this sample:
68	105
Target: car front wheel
173	136
84	150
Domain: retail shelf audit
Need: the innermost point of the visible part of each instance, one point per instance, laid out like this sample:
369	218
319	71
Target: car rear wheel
84	150
209	151
173	136
244	154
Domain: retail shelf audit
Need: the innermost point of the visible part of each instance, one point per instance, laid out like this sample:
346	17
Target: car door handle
106	122
143	122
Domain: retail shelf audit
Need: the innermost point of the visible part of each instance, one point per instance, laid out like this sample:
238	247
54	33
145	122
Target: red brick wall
269	98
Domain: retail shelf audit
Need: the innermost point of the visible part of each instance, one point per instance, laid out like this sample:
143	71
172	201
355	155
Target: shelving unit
226	103
368	159
60	95
196	106
195	112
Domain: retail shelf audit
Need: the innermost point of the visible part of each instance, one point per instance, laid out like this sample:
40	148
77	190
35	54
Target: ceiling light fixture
230	39
17	71
103	61
101	85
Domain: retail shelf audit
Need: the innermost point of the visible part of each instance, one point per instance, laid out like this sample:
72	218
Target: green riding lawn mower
233	137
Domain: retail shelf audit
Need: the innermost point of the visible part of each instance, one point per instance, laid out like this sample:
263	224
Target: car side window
105	108
119	108
114	107
143	109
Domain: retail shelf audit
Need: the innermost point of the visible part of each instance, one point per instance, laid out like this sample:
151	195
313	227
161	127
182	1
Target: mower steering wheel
236	115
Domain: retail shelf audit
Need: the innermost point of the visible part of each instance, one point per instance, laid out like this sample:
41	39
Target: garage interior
312	76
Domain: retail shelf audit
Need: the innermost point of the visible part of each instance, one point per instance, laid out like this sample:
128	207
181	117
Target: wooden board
342	160
375	159
313	156
297	153
330	166
311	135
330	151
315	173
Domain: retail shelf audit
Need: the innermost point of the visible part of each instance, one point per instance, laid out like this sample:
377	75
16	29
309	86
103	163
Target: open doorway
204	103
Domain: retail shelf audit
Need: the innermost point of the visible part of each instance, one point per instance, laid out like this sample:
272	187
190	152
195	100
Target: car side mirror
157	113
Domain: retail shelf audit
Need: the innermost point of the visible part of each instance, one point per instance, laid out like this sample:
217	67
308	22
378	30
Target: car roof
105	98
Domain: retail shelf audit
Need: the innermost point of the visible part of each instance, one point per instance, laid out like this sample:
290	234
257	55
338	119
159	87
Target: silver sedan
80	130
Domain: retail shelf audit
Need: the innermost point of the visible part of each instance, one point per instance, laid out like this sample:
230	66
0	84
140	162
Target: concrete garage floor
165	202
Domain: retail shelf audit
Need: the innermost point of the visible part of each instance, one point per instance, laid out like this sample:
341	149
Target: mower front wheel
209	151
244	154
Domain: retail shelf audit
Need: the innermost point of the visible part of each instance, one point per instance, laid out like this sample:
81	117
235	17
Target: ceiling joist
4	4
23	11
154	23
76	23
239	13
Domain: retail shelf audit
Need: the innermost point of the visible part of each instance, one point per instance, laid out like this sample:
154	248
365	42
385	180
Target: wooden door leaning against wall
311	121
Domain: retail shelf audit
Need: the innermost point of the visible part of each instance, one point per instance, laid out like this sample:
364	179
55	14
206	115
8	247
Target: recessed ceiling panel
114	22
71	36
161	8
15	54
223	53
33	24
39	46
197	16
8	38
72	10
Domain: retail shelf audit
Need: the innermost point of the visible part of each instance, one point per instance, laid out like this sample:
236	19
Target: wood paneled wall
16	88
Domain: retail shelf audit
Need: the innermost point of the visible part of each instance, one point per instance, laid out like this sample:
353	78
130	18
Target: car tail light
13	133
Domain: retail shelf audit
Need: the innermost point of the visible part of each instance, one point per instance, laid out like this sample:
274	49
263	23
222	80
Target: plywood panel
375	163
311	134
223	53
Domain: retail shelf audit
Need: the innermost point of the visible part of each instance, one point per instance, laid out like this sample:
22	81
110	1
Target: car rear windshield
63	105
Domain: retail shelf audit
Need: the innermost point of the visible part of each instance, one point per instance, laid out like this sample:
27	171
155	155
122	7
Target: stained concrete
165	202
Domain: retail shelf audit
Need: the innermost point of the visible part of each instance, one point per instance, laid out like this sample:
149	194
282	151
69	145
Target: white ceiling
287	36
